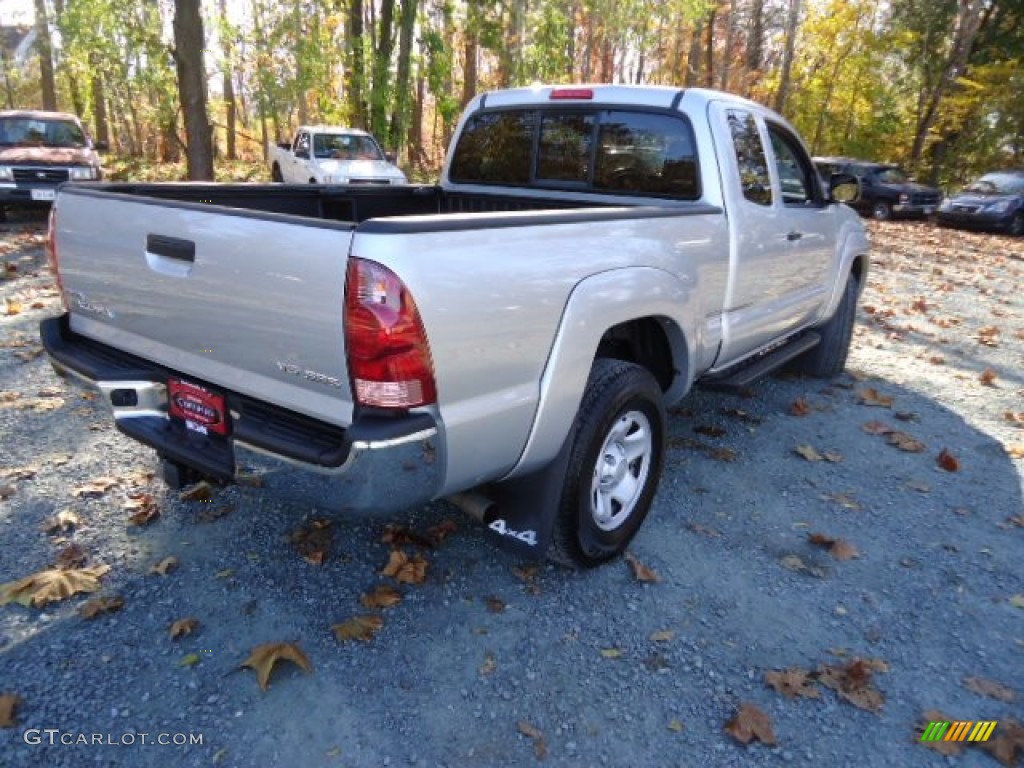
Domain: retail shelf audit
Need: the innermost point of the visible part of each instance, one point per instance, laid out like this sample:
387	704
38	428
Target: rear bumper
376	464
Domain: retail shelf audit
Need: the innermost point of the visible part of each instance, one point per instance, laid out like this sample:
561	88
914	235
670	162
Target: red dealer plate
202	411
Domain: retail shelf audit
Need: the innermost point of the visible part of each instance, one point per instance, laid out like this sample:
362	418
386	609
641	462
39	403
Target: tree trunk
99	103
403	77
693	56
709	50
730	41
382	71
793	20
755	43
230	111
416	128
470	49
356	72
45	47
188	57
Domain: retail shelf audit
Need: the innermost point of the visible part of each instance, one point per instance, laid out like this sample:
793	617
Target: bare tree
188	57
792	22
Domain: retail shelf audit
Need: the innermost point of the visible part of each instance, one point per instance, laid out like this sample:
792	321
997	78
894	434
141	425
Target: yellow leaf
611	653
95	487
358	628
871	396
1017	601
489	665
183	627
165	566
52	585
189	661
12	307
201	491
808	453
227	573
264	657
405	569
675	726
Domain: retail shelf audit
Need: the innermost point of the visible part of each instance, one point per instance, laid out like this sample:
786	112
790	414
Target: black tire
881	211
312	180
1016	228
619	400
275	174
828	359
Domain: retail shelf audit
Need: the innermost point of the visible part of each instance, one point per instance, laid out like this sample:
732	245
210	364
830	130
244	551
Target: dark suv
885	190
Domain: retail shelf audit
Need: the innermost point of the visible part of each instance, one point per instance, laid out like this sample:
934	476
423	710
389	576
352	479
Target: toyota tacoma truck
38	152
509	339
331	155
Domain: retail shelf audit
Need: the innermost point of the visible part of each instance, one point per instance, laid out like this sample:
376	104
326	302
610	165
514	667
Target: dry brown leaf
845	500
96	487
19	473
404	569
527	573
145	515
710	430
838	548
540	747
1017	419
703	529
313	540
852	682
495	605
641	572
990	688
723	454
1007	742
662	636
438	533
52	585
358	628
249	480
401	535
72	556
808	452
833	457
211	513
201	491
871	396
183	627
12	307
989	336
800	407
947	461
98	605
877	428
905	442
264	657
8	704
488	665
64	521
792	682
948	748
165	566
381	596
988	377
750	723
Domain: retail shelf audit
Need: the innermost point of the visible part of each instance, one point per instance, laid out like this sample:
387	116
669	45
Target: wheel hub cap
621	470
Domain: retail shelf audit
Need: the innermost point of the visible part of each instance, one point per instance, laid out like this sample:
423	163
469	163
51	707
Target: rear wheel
828	358
615	463
275	174
881	211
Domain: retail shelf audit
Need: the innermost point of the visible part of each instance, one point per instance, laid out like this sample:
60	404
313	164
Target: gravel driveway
866	531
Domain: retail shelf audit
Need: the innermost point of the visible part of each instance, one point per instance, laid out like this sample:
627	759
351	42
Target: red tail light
388	354
51	254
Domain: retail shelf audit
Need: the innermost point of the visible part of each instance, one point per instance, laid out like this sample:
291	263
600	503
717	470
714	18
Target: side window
495	148
793	167
648	154
302	143
566	141
754	177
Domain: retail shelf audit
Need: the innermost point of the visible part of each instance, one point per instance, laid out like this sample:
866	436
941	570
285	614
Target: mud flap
523	517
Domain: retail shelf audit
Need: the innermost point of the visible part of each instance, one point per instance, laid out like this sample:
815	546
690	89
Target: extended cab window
754	177
302	144
796	173
628	153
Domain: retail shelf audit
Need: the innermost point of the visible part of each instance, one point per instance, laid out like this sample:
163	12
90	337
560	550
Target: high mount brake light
389	359
571	93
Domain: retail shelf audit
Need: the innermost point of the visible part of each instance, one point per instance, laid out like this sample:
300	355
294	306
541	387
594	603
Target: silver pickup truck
509	339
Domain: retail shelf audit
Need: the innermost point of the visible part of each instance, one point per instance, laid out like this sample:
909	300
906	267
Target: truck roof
38	114
627	95
332	129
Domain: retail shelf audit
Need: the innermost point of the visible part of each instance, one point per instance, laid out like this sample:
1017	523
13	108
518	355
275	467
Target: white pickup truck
324	154
509	339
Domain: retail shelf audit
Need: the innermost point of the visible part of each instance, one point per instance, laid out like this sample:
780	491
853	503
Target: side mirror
391	157
101	146
843	188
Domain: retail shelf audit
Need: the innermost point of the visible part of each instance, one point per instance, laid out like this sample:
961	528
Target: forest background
190	88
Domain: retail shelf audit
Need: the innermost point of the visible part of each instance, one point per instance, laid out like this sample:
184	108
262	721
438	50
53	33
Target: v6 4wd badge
527	537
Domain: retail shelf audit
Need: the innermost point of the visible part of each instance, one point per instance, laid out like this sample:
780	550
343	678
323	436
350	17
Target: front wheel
881	211
615	462
828	358
275	174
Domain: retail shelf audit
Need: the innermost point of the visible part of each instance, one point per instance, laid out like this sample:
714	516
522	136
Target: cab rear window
609	151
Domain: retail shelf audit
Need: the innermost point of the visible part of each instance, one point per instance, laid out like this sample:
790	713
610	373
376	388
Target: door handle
171	247
793	236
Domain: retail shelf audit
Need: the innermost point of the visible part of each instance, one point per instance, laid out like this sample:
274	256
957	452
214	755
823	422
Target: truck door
772	290
300	157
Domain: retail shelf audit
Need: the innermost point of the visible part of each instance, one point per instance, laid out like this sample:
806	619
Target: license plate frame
201	409
44	195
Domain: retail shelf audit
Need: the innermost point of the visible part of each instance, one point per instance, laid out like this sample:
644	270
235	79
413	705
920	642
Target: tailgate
246	301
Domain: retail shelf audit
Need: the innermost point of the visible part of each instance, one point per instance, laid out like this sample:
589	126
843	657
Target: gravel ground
490	662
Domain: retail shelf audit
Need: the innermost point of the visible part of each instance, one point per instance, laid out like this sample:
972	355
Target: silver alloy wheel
621	471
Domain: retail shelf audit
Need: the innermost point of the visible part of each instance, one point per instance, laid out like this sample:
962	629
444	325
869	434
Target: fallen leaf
8	704
12	307
19	473
183	627
675	726
948	748
165	566
709	430
358	628
838	548
405	569
401	535
488	665
800	407
792	682
947	461
313	540
989	336
750	723
640	571
438	533
833	457
905	442
264	657
71	557
98	605
852	682
1007	742
723	454
871	396
249	480
381	596
201	491
189	660
937	360
52	585
988	377
495	605
226	573
877	428
65	520
808	453
145	515
611	653
793	563
989	688
662	636
211	513
845	500
1017	601
6	491
1017	419
540	748
96	487
698	528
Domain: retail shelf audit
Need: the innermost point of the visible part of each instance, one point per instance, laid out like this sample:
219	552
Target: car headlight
999	206
6	173
83	173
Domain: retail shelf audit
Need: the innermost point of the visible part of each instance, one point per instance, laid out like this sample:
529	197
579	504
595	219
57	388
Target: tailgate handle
171	247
